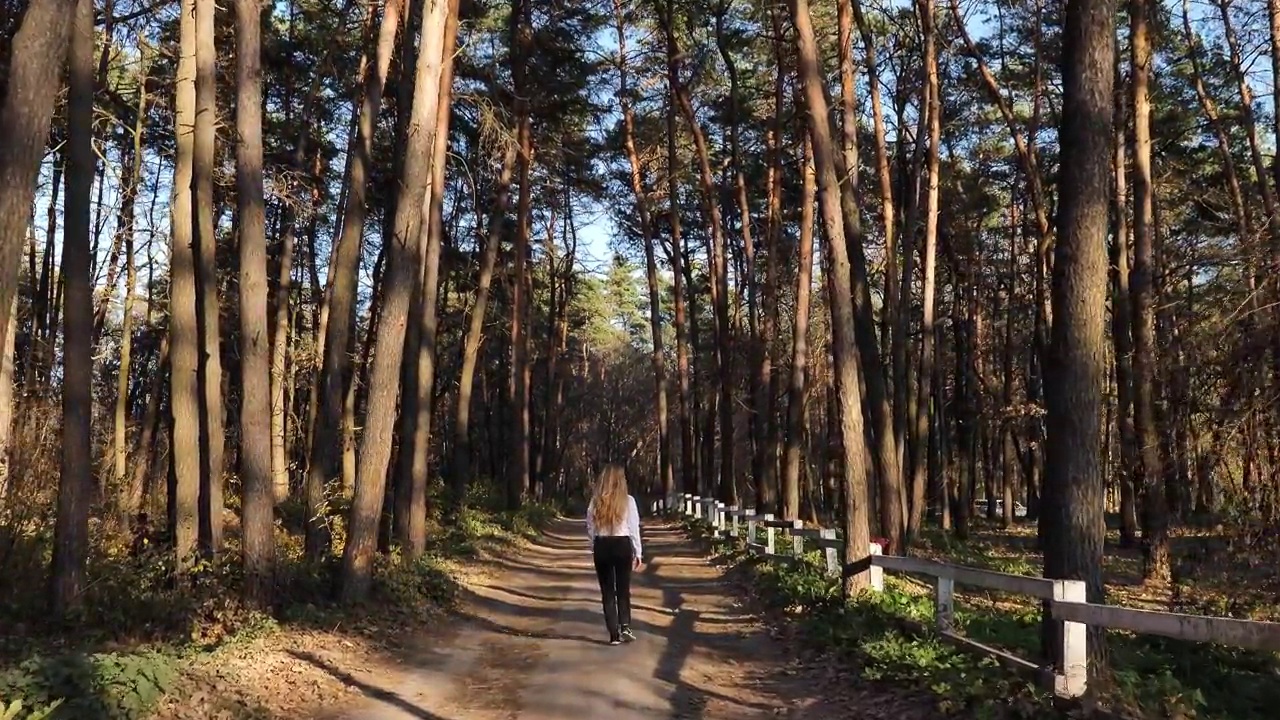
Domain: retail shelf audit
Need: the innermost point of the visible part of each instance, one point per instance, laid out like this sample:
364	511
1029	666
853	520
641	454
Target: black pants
613	557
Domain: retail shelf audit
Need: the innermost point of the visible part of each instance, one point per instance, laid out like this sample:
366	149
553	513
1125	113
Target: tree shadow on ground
371	691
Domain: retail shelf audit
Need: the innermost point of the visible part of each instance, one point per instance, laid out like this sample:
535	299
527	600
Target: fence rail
1063	667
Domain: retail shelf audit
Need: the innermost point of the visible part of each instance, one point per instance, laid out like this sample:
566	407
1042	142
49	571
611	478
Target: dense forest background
294	283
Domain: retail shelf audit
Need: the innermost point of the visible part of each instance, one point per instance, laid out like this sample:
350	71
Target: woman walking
613	524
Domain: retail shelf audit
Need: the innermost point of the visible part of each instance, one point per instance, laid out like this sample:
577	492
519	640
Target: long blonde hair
609	501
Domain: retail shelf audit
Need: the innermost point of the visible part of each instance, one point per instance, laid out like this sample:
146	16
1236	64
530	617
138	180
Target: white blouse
629	527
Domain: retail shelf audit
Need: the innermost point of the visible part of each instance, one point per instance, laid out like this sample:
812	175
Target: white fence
1066	675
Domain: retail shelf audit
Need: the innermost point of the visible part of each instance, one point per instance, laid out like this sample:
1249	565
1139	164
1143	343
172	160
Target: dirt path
532	647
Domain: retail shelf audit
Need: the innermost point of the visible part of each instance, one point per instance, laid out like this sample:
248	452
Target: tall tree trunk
40	352
857	534
460	468
924	397
280	376
892	294
324	462
644	211
1074	490
762	462
719	280
7	351
402	265
1121	329
184	393
521	47
797	390
885	457
37	54
767	497
75	486
412	505
141	477
683	318
256	439
125	231
1155	532
1273	16
1008	451
212	436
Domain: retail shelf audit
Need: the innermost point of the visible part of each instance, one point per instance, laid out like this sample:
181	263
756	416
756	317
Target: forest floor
527	642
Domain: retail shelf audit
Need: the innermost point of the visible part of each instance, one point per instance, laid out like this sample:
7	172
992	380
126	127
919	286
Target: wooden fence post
697	507
1071	671
751	527
733	521
945	603
768	535
797	542
719	523
877	572
831	554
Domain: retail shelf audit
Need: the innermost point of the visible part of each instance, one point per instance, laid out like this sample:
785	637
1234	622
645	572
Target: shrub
104	686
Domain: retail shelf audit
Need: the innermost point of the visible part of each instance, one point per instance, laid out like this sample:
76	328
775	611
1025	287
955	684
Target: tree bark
256	439
75	486
771	377
924	396
324	462
1121	336
1074	490
521	47
130	495
856	529
37	54
1008	416
184	393
1155	532
885	457
402	264
682	319
797	390
212	436
7	350
892	295
412	505
280	369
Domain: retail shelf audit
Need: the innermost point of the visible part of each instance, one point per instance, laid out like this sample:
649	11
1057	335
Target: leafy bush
413	585
105	686
16	710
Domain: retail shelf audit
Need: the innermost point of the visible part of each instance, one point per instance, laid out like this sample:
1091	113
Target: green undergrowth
889	637
877	634
138	632
1150	676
